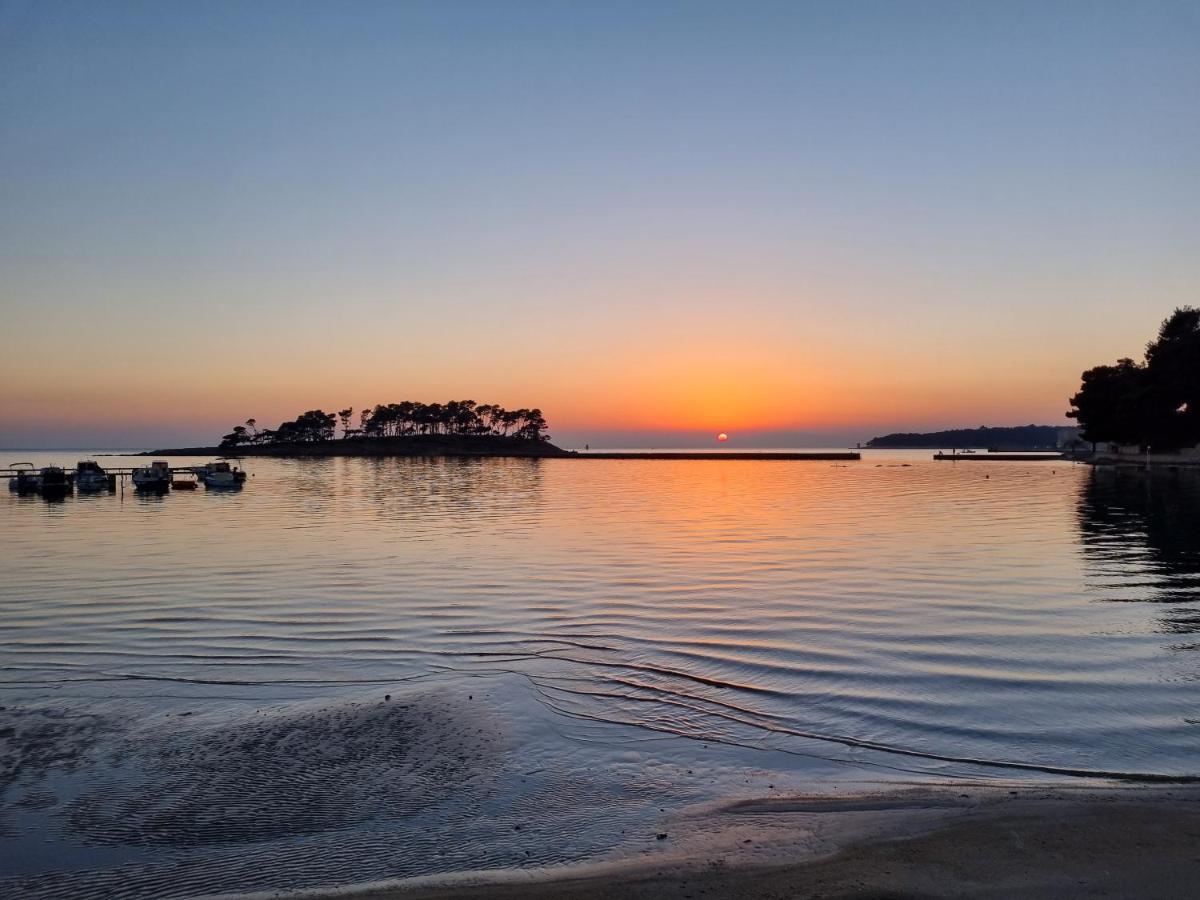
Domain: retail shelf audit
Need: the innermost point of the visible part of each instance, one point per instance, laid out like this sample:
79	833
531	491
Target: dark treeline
456	417
1154	404
1002	437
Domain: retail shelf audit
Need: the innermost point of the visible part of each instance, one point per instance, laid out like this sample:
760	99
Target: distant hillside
1016	437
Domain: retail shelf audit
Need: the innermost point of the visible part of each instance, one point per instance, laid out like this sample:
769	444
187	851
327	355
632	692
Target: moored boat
90	477
26	480
154	477
54	482
184	480
220	474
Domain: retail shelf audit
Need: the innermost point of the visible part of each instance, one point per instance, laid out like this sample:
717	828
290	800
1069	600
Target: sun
722	436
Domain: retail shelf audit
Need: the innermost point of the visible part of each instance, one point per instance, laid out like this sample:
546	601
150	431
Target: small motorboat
154	477
90	477
26	480
184	481
220	475
55	482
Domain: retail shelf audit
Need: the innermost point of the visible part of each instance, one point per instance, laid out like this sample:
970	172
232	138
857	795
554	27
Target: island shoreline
407	445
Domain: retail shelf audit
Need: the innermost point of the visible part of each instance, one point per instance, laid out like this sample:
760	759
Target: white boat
90	477
26	480
154	477
220	475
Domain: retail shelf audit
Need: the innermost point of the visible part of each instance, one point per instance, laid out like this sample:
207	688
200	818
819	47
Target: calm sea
356	669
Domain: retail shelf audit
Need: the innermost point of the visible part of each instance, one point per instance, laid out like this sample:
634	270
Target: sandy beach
953	841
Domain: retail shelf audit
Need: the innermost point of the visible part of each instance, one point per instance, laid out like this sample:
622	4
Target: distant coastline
1012	438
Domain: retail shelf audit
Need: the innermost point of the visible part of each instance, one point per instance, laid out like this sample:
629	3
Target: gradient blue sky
796	222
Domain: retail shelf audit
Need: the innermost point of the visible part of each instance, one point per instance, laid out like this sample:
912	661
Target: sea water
360	669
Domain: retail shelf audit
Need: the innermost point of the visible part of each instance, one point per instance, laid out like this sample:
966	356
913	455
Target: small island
409	428
454	428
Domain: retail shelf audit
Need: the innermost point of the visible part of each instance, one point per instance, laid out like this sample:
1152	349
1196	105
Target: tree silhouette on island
461	425
1154	404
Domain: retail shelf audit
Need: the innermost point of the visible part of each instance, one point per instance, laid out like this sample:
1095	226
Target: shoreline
960	839
1146	460
409	445
1003	457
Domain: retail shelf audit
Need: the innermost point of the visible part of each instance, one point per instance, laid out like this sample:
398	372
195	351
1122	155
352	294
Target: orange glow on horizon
656	382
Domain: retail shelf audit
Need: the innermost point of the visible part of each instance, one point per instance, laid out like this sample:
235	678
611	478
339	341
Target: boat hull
25	484
221	480
90	482
54	483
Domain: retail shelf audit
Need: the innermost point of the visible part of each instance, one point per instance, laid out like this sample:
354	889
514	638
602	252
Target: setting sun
722	436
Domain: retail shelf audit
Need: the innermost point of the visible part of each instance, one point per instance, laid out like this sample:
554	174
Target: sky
797	223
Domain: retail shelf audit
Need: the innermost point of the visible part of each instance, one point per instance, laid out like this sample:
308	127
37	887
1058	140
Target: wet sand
954	841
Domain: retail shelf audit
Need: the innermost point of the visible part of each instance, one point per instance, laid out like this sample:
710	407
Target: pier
115	476
26	481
